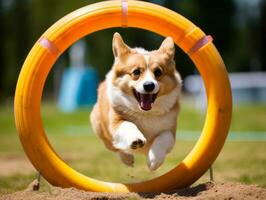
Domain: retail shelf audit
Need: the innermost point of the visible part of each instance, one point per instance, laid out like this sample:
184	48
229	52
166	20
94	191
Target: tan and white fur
138	103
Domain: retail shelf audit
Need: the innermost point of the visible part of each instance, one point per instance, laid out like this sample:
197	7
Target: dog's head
144	75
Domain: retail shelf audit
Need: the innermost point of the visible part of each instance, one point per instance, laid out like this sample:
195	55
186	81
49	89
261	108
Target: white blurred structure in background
248	87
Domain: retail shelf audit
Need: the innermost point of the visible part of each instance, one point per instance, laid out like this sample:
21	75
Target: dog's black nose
149	86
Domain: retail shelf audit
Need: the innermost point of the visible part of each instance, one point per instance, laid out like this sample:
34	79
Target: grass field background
71	135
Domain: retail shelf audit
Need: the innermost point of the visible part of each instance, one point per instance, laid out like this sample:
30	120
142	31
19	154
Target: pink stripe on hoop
200	43
46	43
124	6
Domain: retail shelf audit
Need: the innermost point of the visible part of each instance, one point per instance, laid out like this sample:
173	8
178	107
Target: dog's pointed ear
119	47
168	47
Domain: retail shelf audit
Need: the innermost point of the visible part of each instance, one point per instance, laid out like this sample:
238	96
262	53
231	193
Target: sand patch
202	191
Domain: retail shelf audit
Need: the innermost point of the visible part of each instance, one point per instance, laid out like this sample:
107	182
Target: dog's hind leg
127	159
161	145
95	120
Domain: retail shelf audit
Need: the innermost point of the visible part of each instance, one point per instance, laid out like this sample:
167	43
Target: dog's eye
136	72
158	72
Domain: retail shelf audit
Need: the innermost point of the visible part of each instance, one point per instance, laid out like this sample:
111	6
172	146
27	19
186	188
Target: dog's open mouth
145	99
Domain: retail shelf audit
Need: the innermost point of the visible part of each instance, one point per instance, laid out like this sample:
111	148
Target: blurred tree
247	47
23	21
263	35
2	52
16	36
21	31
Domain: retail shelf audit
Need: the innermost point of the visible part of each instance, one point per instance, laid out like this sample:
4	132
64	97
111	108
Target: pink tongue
145	101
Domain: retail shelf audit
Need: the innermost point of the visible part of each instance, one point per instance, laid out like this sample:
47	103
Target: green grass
249	118
15	182
71	136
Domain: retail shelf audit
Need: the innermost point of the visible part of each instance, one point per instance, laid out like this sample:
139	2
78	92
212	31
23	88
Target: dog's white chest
152	126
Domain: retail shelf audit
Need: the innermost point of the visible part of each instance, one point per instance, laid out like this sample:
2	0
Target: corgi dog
138	103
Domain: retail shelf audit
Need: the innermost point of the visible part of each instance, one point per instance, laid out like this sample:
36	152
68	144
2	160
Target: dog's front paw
135	140
155	159
138	143
128	137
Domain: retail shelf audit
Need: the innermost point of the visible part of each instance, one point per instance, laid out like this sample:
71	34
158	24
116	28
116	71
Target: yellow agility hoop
105	15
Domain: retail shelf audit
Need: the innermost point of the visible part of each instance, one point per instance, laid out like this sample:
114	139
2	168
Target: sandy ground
225	191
